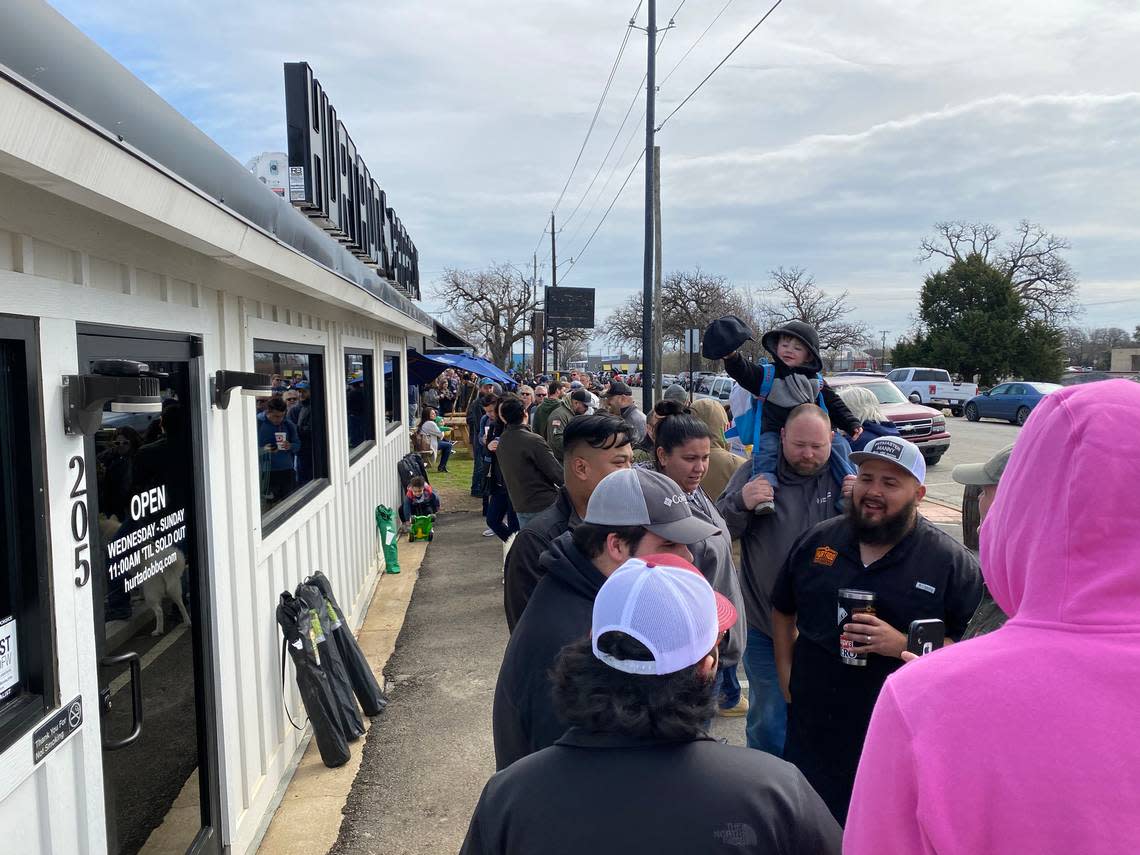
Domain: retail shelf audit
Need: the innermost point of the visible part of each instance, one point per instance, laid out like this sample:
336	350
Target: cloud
833	139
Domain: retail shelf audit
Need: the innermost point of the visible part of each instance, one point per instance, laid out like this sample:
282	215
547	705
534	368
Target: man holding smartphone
851	586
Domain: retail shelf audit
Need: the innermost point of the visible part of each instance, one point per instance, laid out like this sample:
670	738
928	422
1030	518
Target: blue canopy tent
475	364
423	369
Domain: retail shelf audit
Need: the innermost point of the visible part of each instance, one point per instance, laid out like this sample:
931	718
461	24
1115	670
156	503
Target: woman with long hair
682	447
430	429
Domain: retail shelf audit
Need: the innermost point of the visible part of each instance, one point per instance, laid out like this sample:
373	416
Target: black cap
725	336
618	388
581	396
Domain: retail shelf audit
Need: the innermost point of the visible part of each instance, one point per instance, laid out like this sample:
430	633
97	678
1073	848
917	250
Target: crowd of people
649	561
285	438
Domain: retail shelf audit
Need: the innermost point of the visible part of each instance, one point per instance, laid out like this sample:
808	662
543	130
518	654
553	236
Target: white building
127	237
271	168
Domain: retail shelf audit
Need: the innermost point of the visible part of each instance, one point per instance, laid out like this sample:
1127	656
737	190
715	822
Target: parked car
668	380
715	387
933	386
1010	401
922	425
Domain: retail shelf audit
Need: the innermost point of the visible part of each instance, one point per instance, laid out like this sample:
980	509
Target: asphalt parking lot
970	442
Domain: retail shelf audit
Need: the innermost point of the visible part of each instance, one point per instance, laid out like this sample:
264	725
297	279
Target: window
27	678
897	376
359	401
393	393
292	448
931	375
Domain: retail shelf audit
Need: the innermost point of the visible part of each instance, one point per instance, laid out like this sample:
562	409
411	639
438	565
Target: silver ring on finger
868	639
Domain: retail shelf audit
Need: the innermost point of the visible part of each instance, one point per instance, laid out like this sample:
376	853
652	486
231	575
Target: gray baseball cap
647	498
894	450
983	474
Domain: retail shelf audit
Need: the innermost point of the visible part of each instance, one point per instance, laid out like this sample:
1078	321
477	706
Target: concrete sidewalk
428	756
308	817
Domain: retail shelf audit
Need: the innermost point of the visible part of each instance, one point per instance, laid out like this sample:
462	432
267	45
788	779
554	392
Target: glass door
148	582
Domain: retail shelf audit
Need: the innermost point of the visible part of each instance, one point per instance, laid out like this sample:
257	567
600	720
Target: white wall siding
66	264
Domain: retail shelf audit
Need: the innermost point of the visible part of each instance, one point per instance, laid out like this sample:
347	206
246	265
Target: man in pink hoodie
1025	740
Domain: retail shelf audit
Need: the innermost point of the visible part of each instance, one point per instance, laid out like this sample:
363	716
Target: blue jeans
499	507
728	688
445	447
524	519
766	455
767	723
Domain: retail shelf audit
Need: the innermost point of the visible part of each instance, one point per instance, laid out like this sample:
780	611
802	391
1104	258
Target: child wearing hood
796	366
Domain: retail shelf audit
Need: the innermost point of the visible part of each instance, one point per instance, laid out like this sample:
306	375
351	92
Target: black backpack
408	467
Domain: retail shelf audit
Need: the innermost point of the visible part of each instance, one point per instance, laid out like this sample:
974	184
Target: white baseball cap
894	450
665	603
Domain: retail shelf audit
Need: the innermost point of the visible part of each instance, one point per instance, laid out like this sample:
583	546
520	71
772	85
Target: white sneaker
488	533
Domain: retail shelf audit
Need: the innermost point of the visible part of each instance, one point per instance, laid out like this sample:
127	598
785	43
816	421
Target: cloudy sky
832	140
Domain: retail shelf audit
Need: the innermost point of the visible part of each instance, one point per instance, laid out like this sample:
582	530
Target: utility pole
657	317
534	279
648	367
883	353
553	282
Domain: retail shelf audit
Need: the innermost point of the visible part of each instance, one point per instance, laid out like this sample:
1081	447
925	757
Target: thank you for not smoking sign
51	734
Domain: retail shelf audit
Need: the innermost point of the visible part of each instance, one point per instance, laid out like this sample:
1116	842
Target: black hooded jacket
752	376
558	612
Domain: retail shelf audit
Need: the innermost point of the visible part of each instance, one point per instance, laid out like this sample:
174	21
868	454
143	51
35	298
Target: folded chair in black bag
368	692
331	663
299	637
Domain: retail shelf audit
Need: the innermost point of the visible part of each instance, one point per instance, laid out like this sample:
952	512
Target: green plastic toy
420	529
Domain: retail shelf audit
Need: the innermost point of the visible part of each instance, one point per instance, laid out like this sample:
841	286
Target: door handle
132	661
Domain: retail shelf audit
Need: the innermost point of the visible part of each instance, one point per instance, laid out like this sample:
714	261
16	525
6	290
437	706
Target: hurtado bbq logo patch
826	556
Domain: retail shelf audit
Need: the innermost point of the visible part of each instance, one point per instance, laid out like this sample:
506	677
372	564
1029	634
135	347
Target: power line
697	42
617	134
582	251
617	164
601	101
719	64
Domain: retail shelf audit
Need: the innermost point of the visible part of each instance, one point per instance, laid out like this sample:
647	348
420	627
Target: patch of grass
454	486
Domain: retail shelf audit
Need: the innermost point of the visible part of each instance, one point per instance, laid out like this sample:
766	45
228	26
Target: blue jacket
266	431
873	430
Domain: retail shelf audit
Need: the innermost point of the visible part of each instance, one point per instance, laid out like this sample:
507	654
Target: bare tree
492	307
573	344
794	296
1032	262
622	329
694	299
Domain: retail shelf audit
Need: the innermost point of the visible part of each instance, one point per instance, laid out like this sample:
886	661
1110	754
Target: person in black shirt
915	571
636	771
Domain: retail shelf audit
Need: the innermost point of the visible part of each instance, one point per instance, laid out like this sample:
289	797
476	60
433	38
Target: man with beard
882	546
805	495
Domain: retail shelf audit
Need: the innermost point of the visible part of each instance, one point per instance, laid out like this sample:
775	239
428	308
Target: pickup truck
933	386
922	425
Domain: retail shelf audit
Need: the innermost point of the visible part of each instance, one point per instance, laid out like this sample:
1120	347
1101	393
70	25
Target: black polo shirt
925	575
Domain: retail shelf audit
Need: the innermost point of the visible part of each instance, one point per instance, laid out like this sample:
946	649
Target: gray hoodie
765	541
713	557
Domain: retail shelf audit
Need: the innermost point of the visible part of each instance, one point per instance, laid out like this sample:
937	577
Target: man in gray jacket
805	496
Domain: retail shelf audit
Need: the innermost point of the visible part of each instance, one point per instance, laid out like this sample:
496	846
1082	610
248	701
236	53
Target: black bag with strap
364	683
300	639
331	663
408	467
